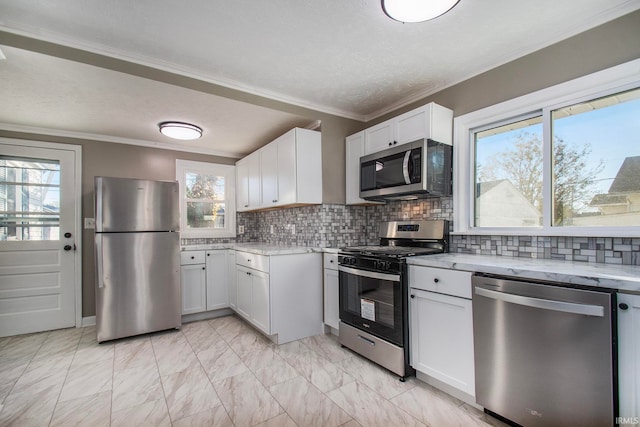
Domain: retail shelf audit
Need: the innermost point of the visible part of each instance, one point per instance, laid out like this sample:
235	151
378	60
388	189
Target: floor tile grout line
164	393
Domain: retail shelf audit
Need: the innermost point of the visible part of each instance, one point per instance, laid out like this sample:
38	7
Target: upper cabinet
287	171
431	121
248	189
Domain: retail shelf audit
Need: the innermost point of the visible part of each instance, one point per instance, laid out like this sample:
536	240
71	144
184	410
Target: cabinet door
412	125
260	304
244	283
232	279
629	354
269	174
378	137
442	338
242	185
217	287
354	150
194	291
331	309
255	190
287	168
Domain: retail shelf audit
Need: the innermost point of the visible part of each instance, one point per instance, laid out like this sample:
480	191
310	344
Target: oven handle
370	274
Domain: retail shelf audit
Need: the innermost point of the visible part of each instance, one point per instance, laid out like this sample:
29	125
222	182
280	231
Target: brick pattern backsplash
337	226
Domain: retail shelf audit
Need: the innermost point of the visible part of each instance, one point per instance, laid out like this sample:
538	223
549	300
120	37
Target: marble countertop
622	277
255	248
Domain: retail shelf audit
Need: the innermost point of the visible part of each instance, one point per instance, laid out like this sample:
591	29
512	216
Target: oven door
372	301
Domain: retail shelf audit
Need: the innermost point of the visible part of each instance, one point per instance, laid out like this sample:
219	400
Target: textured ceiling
339	56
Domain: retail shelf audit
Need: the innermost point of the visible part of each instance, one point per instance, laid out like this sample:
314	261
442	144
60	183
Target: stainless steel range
374	291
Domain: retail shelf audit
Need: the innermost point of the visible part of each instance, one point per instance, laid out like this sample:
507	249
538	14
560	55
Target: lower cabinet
331	291
194	288
280	294
253	297
442	326
629	355
205	280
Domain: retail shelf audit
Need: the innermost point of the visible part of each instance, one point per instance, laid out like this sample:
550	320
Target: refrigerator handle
99	266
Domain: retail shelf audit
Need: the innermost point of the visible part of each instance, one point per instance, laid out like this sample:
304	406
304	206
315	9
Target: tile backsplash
336	226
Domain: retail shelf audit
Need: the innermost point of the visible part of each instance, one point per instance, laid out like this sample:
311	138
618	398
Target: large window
561	161
207	199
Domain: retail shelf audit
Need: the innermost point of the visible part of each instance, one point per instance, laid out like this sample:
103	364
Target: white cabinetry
379	137
291	169
429	121
331	291
205	280
248	183
217	280
194	279
441	324
629	354
354	150
280	294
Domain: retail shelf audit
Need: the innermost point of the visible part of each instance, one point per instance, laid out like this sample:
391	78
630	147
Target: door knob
67	247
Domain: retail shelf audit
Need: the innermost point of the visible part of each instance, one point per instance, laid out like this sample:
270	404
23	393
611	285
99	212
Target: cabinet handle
331	261
413	296
246	206
193	257
390	144
623	306
248	260
436	280
395	142
248	273
203	268
208	254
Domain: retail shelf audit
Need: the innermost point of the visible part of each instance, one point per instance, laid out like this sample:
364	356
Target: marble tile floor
219	372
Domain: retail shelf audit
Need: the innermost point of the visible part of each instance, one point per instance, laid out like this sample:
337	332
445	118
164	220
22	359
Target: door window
29	199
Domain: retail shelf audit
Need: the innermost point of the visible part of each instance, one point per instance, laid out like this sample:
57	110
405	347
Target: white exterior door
39	237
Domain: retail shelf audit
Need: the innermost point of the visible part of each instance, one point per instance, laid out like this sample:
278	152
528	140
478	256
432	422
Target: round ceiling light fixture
180	130
416	10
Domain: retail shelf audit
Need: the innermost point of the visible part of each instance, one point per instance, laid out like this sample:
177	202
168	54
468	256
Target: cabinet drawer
449	282
255	261
331	261
191	257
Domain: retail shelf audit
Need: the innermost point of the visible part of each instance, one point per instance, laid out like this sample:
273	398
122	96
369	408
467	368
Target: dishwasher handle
545	304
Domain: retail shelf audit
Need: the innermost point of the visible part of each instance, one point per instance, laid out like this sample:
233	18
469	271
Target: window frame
229	172
602	83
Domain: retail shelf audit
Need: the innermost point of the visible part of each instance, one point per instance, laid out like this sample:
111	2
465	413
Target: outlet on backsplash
293	229
271	228
241	229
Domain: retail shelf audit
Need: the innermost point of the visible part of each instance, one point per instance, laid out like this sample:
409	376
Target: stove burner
390	251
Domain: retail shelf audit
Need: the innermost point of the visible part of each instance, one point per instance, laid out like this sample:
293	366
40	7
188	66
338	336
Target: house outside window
207	199
561	161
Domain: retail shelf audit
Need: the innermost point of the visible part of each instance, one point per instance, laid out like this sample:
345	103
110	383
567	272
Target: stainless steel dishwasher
545	354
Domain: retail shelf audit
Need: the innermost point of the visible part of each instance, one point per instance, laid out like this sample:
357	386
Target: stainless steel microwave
417	169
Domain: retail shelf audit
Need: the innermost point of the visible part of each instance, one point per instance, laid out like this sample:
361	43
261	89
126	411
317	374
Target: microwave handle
405	167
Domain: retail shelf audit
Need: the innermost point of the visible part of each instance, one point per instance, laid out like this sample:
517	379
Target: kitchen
343	225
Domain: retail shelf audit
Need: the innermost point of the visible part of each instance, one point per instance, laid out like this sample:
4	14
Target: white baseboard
88	321
186	318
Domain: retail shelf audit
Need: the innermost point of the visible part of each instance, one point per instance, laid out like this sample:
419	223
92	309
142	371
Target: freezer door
138	283
124	205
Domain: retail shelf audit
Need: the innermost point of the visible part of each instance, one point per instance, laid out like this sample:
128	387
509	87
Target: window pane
205	215
200	186
596	162
29	199
508	175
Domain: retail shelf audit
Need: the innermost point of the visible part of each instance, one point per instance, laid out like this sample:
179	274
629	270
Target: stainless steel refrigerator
137	243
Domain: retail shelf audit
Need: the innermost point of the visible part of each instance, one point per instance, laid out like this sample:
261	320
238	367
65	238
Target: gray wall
610	44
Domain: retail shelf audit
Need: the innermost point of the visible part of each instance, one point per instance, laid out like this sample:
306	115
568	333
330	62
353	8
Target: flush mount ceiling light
180	130
416	10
